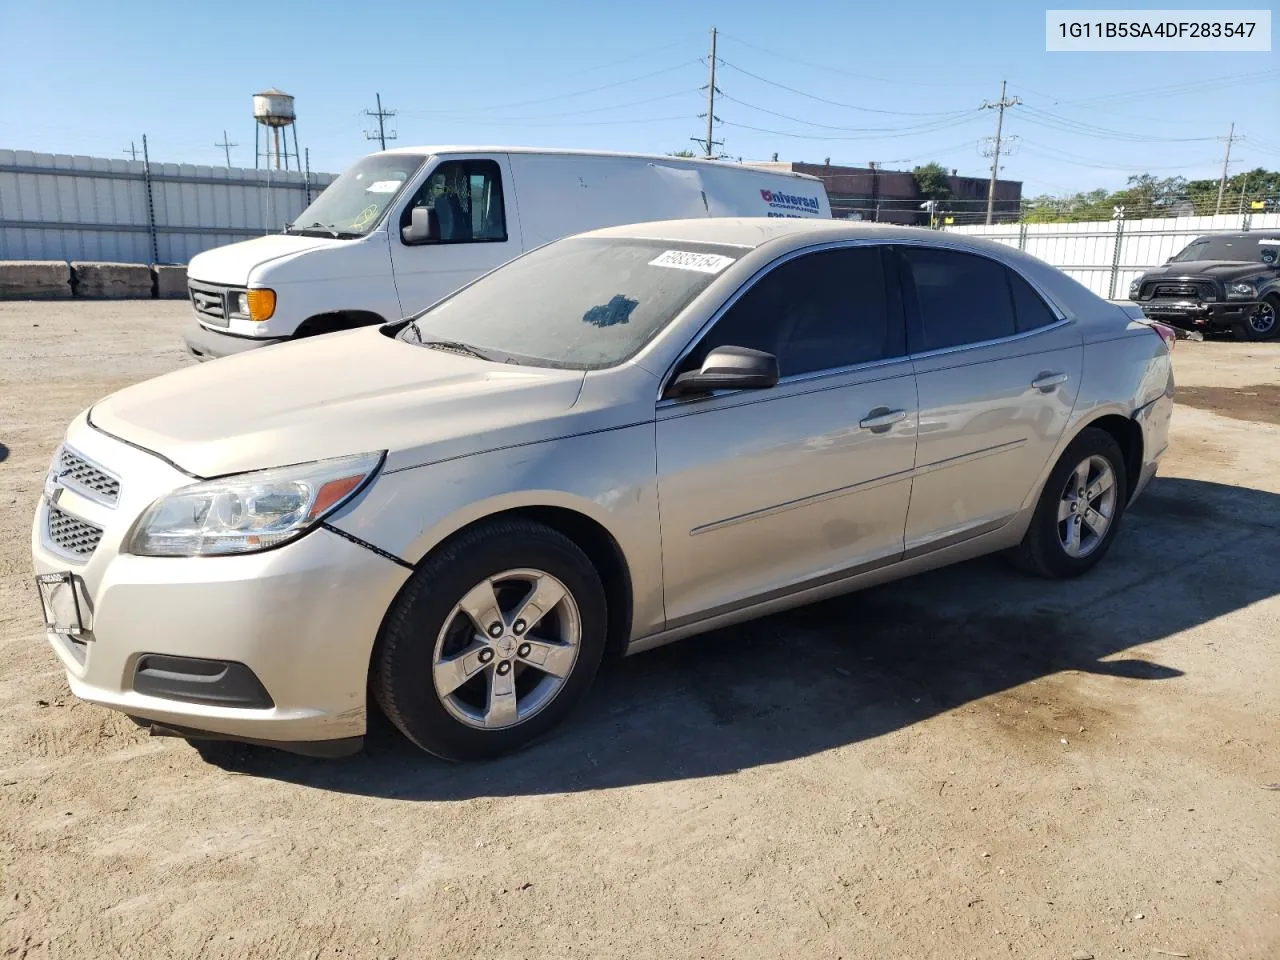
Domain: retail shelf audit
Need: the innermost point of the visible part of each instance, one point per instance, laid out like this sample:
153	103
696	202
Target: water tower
273	109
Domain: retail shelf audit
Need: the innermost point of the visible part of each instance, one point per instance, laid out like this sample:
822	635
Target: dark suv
1225	281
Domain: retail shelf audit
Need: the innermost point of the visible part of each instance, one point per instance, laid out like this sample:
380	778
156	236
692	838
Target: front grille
71	535
1178	290
209	303
77	473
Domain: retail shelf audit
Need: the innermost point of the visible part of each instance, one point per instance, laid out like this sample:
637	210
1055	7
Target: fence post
1115	256
151	205
1022	236
306	176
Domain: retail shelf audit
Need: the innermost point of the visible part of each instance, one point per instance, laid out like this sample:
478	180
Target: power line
837	103
999	106
226	145
381	135
927	127
132	151
552	116
850	73
1045	119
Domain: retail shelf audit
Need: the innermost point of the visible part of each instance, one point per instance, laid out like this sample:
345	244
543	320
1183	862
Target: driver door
474	229
763	492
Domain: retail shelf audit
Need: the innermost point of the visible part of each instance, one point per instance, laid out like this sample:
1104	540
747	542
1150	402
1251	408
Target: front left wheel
492	641
1263	323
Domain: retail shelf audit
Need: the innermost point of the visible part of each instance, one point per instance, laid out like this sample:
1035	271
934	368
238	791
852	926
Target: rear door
476	228
768	491
997	370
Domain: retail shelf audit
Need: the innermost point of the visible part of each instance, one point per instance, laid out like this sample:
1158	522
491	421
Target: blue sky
899	83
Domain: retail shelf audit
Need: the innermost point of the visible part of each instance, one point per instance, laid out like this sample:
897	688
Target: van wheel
1079	511
491	642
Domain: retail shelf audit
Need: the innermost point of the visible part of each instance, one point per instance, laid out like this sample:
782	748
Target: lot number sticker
686	260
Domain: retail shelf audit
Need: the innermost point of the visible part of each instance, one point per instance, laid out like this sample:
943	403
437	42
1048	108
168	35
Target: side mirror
422	226
728	368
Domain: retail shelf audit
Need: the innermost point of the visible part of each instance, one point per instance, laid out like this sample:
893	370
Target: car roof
441	149
752	232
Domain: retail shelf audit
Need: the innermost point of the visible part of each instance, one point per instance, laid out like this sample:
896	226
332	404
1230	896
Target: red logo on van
766	196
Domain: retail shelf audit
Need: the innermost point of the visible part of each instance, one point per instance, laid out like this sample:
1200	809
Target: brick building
891	196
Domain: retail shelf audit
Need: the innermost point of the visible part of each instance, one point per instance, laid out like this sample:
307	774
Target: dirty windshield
583	303
353	204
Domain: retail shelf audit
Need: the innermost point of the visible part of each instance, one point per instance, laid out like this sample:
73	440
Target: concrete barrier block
35	279
113	281
171	281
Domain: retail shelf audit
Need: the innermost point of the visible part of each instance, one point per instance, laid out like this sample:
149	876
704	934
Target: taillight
1167	333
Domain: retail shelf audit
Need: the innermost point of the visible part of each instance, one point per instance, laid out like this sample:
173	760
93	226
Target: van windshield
353	204
582	302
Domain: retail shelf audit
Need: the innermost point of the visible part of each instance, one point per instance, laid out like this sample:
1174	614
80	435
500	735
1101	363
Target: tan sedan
615	441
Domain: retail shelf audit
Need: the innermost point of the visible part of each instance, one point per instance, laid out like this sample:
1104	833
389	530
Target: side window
817	312
464	198
961	298
1031	312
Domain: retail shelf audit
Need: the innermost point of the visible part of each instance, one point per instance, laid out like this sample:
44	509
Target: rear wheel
1079	510
492	642
1262	323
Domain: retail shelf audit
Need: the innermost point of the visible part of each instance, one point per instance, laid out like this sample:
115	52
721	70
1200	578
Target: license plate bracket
60	604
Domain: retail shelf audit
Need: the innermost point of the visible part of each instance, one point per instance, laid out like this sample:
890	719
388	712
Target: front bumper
301	619
205	343
1194	314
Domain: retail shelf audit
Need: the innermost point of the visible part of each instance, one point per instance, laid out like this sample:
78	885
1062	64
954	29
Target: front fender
609	477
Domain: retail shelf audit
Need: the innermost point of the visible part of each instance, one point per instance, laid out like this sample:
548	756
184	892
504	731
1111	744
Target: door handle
1047	381
881	419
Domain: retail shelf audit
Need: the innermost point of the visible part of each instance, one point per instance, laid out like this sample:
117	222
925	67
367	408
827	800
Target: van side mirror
422	226
728	368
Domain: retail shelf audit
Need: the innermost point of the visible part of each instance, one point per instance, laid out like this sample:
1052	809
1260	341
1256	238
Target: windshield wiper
328	228
453	346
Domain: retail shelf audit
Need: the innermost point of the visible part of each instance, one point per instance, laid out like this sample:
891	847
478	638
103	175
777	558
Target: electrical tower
132	151
708	145
226	145
381	136
999	107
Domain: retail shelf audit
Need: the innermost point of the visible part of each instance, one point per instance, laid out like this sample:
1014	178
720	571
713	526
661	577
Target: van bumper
205	344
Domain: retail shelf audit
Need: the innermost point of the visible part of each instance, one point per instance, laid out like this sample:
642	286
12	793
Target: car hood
331	396
1224	270
231	265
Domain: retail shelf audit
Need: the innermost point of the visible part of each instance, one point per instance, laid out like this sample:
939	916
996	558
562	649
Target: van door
474	228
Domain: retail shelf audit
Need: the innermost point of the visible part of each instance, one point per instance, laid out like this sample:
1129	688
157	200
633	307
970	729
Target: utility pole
1226	159
381	136
999	107
709	144
226	145
132	151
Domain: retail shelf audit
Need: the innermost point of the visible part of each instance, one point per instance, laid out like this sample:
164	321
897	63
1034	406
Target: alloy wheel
506	650
1087	506
1263	320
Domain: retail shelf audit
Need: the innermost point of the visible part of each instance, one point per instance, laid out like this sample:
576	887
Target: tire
1045	549
1263	323
427	641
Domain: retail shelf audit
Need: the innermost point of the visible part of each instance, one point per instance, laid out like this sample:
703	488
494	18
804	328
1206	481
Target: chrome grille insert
73	536
209	302
86	478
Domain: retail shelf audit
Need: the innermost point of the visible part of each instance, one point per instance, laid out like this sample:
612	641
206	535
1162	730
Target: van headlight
250	512
257	304
1241	291
1135	287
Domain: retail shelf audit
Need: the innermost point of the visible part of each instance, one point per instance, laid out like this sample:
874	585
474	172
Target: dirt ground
966	764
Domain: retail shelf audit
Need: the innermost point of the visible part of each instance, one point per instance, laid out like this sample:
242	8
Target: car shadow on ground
854	667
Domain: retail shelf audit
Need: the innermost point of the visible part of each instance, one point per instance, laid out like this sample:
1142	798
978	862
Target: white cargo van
404	227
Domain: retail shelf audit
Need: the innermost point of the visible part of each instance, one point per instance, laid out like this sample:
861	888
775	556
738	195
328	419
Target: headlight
258	304
1241	291
250	511
1135	288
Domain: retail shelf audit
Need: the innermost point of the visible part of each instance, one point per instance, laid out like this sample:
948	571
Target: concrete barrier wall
35	279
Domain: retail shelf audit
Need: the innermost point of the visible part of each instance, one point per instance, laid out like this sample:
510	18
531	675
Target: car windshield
353	204
583	302
1244	248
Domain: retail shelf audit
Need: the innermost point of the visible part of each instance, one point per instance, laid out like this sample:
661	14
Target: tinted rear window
962	298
